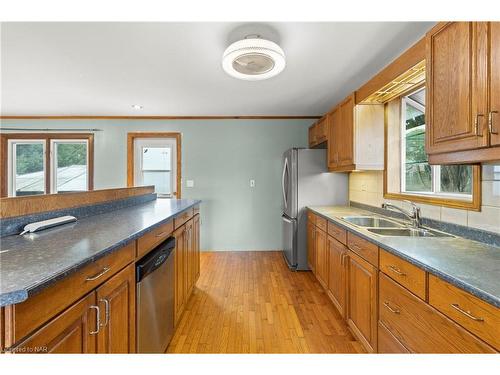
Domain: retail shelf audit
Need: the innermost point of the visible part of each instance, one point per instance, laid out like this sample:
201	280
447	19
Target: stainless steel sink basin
372	222
408	232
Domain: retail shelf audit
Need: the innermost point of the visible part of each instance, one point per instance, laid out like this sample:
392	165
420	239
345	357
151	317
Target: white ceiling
175	68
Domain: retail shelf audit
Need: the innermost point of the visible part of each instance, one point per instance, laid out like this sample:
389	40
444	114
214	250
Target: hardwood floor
250	302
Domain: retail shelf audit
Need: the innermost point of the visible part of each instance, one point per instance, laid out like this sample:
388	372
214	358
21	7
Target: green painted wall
221	156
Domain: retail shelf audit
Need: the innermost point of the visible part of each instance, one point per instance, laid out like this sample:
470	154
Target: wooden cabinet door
456	112
116	300
311	246
196	228
70	332
189	260
337	287
334	124
179	235
346	133
362	301
494	83
321	258
312	135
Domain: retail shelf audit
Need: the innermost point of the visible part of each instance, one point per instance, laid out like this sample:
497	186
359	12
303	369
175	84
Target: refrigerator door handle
285	218
285	168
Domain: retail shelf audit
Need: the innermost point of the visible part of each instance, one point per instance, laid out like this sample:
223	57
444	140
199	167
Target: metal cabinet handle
388	307
98	319
466	313
95	277
107	311
342	259
490	122
396	270
160	234
476	124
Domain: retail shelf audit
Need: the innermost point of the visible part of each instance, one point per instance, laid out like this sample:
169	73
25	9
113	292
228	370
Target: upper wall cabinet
355	136
463	92
318	133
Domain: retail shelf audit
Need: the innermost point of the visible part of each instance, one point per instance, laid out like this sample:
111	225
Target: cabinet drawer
363	248
419	327
408	275
477	316
182	218
387	343
311	218
321	223
154	237
196	210
29	315
337	232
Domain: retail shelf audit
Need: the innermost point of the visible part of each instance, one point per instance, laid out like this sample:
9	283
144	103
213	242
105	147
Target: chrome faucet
414	215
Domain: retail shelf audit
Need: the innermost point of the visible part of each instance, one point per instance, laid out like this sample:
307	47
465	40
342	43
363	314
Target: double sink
386	227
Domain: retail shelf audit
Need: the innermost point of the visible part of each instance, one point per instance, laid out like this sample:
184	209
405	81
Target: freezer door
290	240
289	183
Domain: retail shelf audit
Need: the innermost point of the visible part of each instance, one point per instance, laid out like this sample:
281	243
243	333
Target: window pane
418	173
456	179
156	158
160	180
71	166
29	169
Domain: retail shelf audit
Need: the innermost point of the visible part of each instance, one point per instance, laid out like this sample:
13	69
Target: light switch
189	183
252	183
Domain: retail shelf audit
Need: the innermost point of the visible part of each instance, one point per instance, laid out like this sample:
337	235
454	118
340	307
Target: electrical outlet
190	183
252	183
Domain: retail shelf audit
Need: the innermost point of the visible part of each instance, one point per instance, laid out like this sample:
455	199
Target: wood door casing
494	83
337	287
67	333
454	96
362	301
117	335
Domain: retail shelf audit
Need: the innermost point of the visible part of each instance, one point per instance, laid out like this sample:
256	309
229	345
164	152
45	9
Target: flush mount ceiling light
253	59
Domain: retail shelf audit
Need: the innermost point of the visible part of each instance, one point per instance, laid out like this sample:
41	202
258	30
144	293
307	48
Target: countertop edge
486	297
22	295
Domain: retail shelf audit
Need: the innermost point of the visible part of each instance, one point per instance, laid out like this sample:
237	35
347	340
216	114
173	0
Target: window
417	176
155	160
46	163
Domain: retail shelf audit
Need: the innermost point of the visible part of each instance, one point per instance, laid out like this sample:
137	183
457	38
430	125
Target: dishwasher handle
154	259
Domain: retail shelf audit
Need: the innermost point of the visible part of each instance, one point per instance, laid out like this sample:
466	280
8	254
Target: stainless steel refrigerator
306	182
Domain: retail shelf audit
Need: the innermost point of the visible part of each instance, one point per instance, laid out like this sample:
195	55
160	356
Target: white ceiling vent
253	59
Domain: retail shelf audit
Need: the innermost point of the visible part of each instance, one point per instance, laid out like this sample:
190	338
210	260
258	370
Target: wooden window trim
473	205
4	149
130	155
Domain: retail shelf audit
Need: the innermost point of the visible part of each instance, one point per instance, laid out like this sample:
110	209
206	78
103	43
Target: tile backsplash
368	188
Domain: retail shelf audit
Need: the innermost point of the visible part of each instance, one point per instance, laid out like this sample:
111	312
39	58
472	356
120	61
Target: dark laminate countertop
470	265
34	261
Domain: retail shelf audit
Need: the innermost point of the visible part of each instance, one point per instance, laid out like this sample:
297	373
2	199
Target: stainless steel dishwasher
155	298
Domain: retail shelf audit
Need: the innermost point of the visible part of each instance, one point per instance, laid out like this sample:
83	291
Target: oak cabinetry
116	299
187	263
53	300
419	327
321	257
337	274
362	300
408	275
365	249
318	133
355	136
462	92
153	238
70	332
470	312
311	245
387	343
